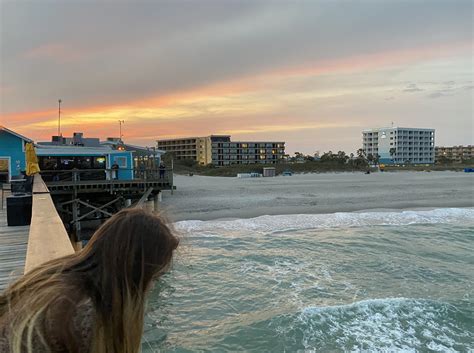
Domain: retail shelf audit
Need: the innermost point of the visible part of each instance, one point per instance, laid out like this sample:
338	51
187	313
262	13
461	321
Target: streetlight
120	127
59	117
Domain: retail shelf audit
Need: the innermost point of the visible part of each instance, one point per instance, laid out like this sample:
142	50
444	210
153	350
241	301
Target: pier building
141	155
57	162
399	145
88	181
12	154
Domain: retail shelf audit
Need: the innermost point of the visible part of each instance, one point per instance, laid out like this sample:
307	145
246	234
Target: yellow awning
32	166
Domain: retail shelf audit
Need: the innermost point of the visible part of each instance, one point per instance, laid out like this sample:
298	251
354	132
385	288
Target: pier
22	248
59	210
85	198
13	244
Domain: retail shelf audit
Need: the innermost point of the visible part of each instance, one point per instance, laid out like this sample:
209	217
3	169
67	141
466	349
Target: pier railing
166	175
48	238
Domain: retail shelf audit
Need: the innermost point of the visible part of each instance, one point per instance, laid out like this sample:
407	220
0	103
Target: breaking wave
380	325
280	223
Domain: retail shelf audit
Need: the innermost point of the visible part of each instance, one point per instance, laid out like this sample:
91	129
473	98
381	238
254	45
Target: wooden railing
48	238
150	174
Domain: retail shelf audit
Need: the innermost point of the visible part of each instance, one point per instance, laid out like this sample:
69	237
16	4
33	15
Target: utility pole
59	117
120	127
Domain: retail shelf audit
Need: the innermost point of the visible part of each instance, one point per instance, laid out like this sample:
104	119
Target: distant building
12	154
77	139
457	154
398	145
192	148
219	150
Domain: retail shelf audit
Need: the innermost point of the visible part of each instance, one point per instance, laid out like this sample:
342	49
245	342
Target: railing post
171	176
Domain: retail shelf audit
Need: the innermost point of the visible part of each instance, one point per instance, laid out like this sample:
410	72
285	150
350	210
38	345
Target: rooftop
396	128
3	128
51	150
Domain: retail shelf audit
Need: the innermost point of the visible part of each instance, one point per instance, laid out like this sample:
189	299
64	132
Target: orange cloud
52	51
234	99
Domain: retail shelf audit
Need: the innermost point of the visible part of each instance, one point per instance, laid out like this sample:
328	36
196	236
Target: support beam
96	209
156	202
144	197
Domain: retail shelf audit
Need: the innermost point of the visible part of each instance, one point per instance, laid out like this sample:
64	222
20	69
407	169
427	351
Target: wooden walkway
13	244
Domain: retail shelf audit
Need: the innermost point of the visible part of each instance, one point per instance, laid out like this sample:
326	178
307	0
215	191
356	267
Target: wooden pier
84	198
13	244
23	248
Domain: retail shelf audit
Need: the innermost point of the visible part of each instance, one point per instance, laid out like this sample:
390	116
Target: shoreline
223	198
370	210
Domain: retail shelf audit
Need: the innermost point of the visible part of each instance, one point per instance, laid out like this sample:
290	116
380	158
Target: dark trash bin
18	186
19	210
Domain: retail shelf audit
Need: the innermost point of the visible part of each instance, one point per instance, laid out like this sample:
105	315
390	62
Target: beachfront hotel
457	154
219	150
399	145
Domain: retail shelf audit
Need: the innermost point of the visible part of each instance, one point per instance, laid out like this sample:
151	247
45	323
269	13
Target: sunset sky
311	73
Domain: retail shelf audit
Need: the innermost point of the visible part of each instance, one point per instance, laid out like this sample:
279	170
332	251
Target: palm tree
376	158
392	151
370	157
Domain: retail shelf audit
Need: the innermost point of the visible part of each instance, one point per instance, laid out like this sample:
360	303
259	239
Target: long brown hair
114	271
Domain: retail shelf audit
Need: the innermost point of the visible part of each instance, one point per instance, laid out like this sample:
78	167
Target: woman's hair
114	270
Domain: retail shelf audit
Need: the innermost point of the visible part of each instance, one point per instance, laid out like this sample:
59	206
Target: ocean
343	282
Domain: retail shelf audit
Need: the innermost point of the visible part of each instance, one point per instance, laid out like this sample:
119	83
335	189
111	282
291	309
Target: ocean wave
381	325
280	223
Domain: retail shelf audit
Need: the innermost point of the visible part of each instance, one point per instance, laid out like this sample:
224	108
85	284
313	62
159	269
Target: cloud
128	51
435	95
165	66
412	88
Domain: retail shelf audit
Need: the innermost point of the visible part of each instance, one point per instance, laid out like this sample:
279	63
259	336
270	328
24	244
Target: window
121	161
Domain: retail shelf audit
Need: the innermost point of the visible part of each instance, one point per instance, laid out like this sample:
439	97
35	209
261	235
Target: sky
311	73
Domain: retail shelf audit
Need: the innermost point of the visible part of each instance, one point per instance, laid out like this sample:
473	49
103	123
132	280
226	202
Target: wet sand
206	198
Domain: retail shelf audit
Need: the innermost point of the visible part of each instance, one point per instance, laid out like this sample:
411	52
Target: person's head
131	249
115	270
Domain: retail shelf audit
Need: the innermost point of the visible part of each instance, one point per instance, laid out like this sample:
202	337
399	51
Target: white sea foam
384	325
279	223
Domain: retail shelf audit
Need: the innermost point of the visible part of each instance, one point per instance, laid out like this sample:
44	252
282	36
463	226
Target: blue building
12	153
141	155
66	158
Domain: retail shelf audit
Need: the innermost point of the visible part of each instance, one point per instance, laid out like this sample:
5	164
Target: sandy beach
206	198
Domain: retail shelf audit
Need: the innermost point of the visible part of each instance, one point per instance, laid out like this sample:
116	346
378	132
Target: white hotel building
399	145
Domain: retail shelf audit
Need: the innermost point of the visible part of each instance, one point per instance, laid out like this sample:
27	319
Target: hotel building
456	153
219	150
398	145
